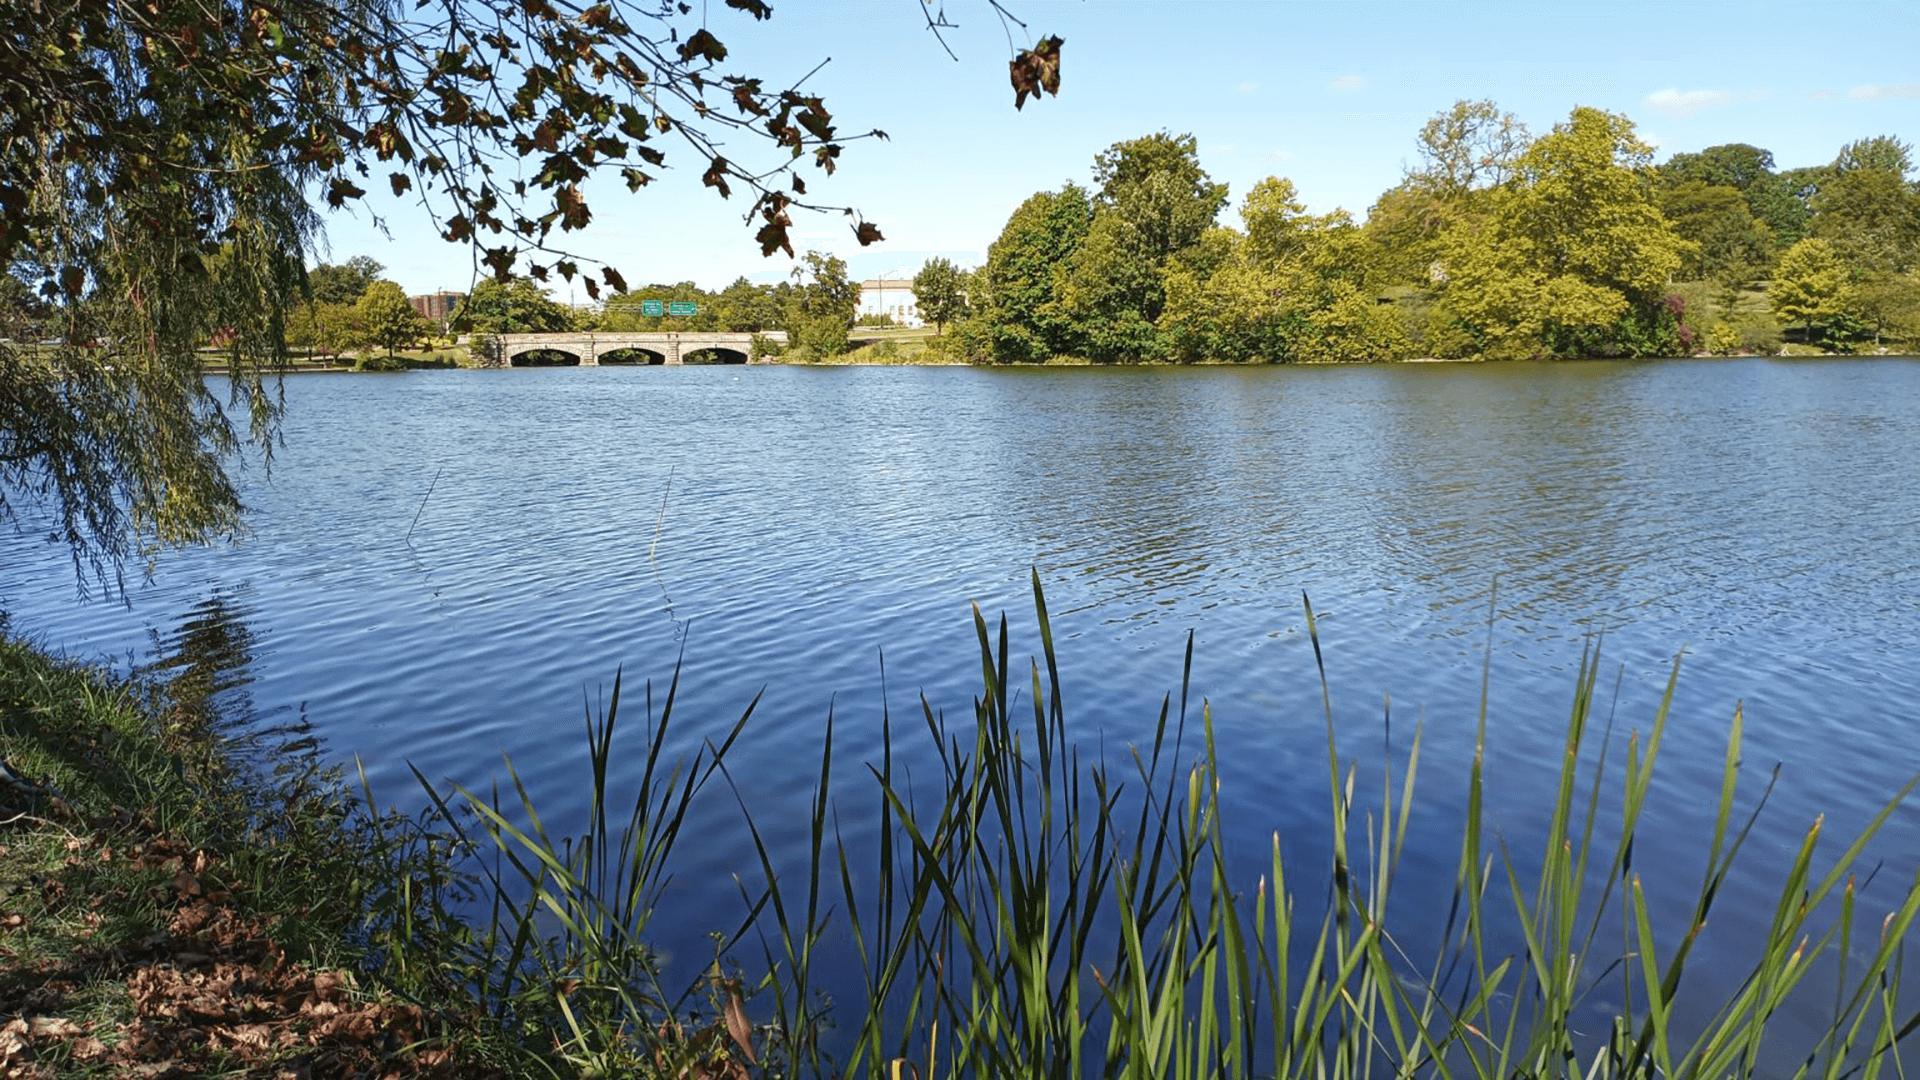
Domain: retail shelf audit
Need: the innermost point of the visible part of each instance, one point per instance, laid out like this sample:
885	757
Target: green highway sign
683	307
650	307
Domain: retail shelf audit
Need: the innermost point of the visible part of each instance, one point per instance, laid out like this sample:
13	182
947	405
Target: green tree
1154	202
1868	211
1021	313
820	310
1470	147
746	308
328	329
1574	255
1772	199
1891	305
1810	286
1465	152
389	320
1276	220
1882	153
1730	247
518	306
626	312
1295	288
344	283
939	291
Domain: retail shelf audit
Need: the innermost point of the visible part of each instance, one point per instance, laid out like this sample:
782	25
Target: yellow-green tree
388	320
1868	211
1810	285
940	292
1225	306
820	309
328	329
1465	152
1573	256
1295	287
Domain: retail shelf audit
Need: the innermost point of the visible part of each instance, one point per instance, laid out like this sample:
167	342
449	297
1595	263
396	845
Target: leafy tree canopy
820	309
1575	255
1729	243
1470	146
344	283
518	306
940	293
1018	282
1174	158
389	320
1810	285
1868	211
1735	165
1775	201
746	308
1882	154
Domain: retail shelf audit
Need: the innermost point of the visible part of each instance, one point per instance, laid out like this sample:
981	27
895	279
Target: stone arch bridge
659	347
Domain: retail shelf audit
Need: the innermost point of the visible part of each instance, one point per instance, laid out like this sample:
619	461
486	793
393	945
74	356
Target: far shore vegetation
1497	245
181	896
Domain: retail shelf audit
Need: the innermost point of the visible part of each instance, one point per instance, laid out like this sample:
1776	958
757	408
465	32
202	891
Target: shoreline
168	909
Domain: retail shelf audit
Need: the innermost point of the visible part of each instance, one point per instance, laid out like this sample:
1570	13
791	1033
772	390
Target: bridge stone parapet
671	346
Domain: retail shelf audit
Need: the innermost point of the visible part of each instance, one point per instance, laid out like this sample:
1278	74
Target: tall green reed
1029	912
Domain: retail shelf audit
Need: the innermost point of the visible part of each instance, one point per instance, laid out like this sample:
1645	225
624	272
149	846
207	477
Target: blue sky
1330	95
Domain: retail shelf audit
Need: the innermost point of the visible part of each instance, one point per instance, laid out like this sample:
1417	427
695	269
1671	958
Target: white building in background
890	296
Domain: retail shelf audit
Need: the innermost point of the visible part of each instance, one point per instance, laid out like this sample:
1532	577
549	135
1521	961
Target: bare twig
423	505
662	520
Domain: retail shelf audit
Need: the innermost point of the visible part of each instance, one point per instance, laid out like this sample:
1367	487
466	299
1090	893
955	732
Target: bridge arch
543	356
713	354
631	356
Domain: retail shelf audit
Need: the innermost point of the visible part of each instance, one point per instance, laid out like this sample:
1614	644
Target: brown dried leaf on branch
1035	70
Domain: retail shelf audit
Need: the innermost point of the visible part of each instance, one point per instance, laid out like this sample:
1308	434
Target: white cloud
1875	92
1349	83
1685	103
1247	87
1820	95
1280	155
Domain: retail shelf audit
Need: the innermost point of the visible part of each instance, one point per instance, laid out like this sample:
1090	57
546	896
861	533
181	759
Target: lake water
446	566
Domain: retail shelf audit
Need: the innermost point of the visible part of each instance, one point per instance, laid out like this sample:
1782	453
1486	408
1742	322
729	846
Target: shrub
1723	339
1759	332
761	347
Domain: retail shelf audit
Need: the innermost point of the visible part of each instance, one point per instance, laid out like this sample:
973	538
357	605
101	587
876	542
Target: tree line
351	307
1497	244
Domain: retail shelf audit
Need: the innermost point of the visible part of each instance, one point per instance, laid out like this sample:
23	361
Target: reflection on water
206	662
203	669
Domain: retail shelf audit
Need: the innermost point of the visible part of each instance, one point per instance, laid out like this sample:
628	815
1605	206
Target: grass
167	910
445	356
1030	912
1026	910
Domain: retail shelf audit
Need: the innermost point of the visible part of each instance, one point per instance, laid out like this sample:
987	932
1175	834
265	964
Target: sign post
683	307
650	308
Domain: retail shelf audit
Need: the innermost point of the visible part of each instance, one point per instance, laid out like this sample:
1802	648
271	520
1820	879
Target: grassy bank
165	911
1027	909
